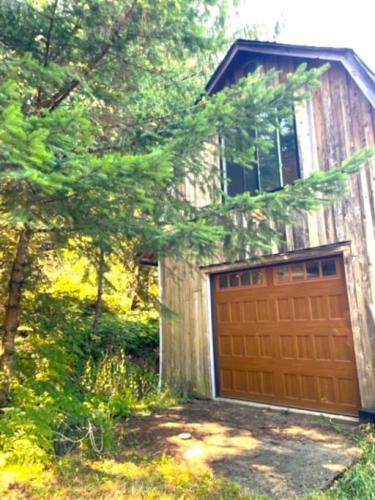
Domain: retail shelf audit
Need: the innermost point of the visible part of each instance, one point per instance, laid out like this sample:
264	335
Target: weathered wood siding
335	123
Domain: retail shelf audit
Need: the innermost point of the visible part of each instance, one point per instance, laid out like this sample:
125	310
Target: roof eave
359	72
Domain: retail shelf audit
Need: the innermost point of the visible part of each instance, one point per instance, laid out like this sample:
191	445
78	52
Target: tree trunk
140	287
99	297
13	312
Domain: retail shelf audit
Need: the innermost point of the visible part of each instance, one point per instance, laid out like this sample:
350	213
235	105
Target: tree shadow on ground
269	452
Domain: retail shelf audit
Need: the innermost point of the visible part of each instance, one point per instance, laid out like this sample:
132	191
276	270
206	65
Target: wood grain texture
287	342
336	122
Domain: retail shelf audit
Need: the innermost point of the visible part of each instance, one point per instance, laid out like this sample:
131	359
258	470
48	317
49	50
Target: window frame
231	288
224	169
306	280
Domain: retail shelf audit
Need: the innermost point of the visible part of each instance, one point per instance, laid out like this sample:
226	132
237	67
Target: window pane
269	164
283	273
312	270
297	271
257	277
241	179
223	281
234	280
235	179
328	267
245	278
251	179
289	152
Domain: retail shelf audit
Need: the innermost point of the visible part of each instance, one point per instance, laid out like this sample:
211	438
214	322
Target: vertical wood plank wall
337	122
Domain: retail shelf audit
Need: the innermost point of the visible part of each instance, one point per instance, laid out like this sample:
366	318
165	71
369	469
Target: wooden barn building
295	328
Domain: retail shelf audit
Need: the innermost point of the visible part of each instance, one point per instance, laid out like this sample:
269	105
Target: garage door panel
317	392
304	346
343	348
243	364
258	383
346	386
244	327
255	311
301	309
249	346
225	345
288	343
286	366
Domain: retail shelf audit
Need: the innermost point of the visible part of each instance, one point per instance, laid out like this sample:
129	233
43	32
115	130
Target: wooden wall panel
186	341
337	122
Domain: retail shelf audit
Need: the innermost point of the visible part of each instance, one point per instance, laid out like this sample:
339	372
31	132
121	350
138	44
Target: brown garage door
284	336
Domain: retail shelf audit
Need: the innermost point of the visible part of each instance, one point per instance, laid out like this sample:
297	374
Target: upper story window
272	171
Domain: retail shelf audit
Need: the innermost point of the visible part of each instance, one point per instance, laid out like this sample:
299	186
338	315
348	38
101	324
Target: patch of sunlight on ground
354	451
213	447
196	452
170	425
334	467
262	468
296	430
216	442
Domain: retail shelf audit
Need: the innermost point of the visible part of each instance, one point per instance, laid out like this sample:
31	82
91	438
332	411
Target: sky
332	23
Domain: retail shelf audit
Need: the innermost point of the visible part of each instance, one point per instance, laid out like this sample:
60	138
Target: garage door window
240	279
290	273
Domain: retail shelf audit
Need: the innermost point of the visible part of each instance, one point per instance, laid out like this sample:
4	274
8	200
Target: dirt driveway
279	454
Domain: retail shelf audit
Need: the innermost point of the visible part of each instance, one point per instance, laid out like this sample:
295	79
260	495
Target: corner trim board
215	378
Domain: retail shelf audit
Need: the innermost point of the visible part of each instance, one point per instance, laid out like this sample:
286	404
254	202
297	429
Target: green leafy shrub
359	481
137	334
71	383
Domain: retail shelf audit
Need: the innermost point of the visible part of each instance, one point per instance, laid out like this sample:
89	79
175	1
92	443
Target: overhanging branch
117	26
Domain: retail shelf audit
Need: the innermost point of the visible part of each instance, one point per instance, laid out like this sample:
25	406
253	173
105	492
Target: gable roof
358	70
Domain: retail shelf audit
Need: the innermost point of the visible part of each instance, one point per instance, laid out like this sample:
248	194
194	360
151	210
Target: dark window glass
312	270
234	280
223	281
268	161
289	153
240	179
251	179
236	181
245	278
276	166
328	267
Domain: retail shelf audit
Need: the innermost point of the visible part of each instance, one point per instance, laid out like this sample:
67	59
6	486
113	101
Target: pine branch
49	34
118	25
47	49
